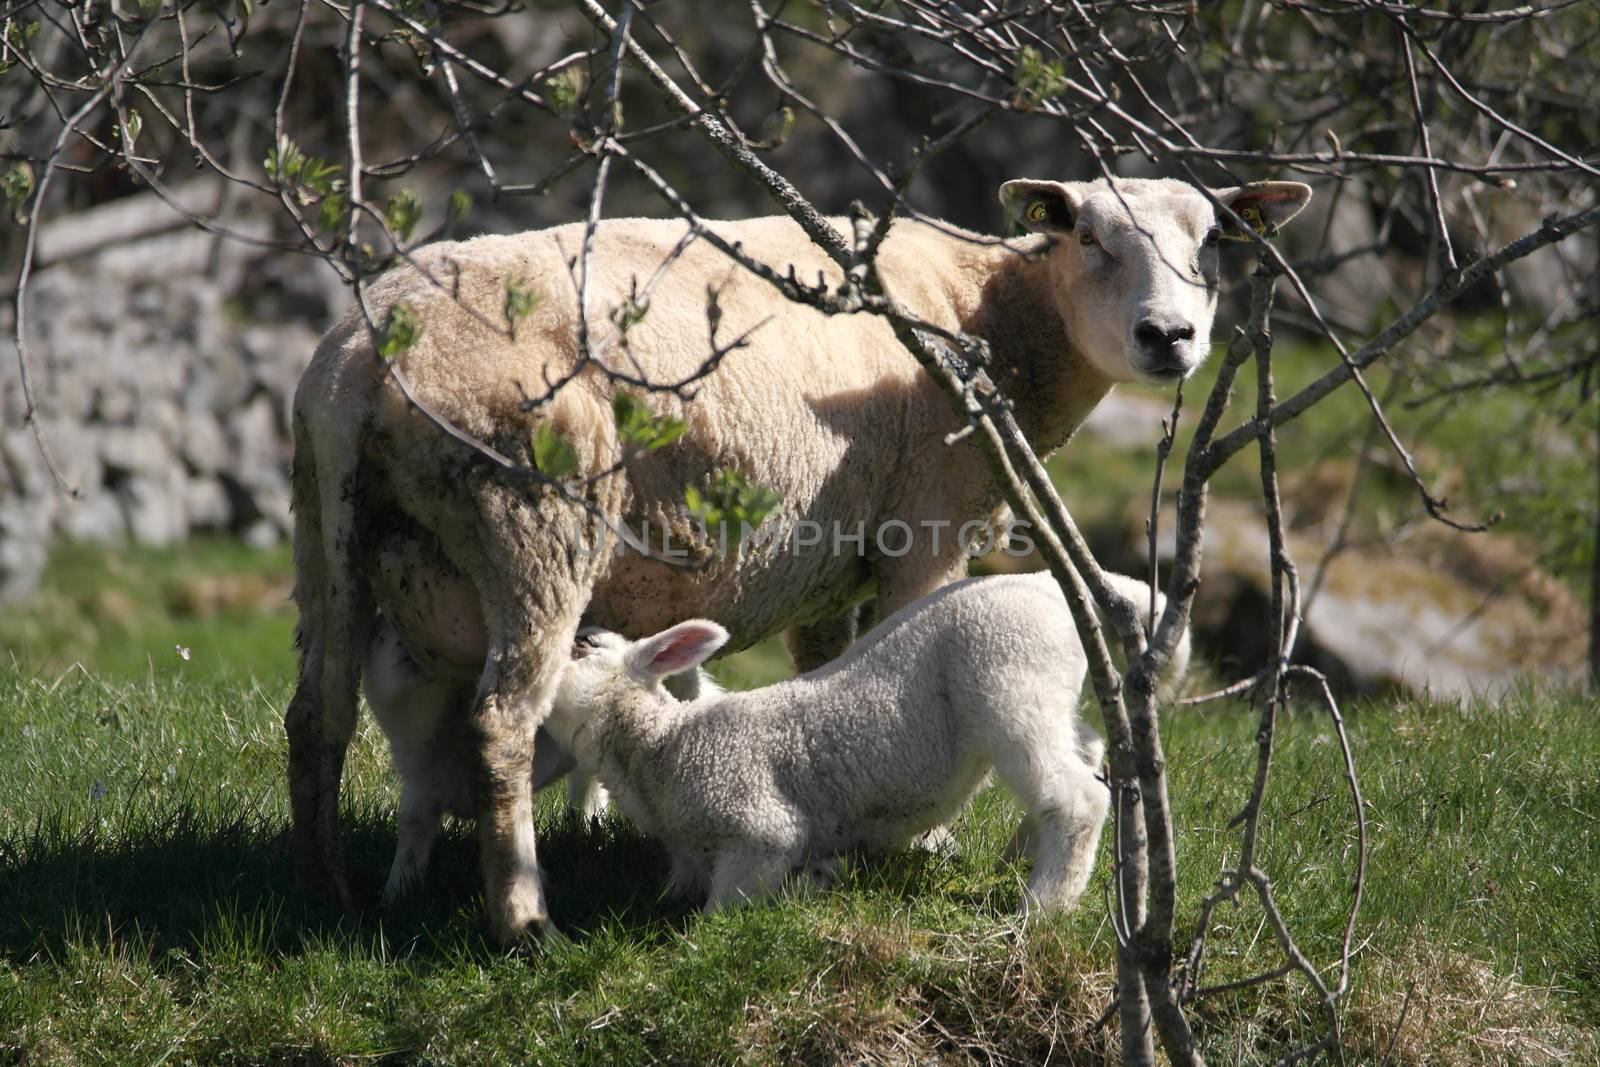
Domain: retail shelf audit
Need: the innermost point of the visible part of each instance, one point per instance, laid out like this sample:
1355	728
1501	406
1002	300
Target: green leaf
460	204
320	177
17	186
639	428
135	124
521	299
629	314
565	90
1037	80
552	454
730	501
403	213
284	161
398	331
775	129
330	216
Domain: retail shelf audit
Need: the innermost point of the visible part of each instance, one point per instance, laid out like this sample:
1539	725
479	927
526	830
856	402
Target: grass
128	612
147	913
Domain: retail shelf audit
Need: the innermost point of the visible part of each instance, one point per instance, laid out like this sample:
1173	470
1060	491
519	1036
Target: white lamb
885	743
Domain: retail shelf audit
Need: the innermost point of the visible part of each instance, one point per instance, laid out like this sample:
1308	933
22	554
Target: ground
147	913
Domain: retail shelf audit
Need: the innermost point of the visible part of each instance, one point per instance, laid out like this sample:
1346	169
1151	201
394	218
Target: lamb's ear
681	648
1034	206
1263	206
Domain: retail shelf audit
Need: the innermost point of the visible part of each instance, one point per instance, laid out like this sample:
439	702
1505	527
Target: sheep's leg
533	588
418	827
335	616
501	748
817	643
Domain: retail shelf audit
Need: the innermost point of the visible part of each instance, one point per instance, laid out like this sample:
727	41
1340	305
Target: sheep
887	742
483	576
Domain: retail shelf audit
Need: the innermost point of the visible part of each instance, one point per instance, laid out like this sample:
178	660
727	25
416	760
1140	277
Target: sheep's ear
1034	206
1261	206
685	646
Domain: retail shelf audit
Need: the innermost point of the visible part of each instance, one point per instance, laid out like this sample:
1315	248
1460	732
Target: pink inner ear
682	649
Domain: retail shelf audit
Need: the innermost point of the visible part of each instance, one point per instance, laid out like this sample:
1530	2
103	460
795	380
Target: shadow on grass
185	877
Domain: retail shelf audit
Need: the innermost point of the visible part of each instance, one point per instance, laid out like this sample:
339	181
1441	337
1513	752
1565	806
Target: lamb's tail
1178	666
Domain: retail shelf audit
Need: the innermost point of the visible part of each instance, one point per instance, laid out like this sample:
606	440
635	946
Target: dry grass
1462	1013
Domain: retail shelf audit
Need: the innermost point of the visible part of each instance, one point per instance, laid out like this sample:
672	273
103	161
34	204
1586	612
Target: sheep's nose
1159	338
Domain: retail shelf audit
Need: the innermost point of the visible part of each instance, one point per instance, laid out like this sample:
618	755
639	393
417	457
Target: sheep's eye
1086	239
585	644
1213	235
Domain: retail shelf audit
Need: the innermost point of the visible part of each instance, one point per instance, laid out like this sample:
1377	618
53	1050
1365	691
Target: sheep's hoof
326	881
521	916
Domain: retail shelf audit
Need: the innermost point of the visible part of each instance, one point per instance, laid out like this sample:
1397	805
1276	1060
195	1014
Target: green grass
128	611
147	913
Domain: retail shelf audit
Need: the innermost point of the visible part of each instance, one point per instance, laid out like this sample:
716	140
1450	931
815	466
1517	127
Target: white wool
885	743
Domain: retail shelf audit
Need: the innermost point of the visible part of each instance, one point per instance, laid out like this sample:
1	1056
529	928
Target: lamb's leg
586	798
418	827
817	643
747	876
1067	812
688	877
335	617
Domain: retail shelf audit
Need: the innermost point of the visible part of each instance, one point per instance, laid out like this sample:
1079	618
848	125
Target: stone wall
163	371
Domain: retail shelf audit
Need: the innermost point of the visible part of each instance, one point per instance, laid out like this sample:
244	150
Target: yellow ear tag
1252	215
1037	211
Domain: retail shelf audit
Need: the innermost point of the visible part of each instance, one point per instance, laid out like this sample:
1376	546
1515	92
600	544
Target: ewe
886	742
484	578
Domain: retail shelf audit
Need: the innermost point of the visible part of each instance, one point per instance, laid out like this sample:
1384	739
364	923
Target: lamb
886	742
482	575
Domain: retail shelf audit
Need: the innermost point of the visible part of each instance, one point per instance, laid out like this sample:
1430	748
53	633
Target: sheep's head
606	667
1134	266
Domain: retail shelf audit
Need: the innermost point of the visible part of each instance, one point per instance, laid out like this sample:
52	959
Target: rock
96	516
1128	420
156	507
24	533
134	450
206	503
1450	614
202	443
